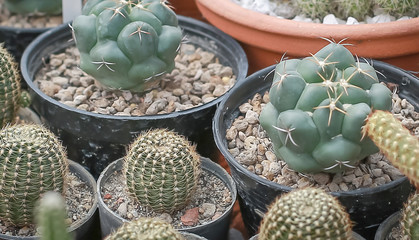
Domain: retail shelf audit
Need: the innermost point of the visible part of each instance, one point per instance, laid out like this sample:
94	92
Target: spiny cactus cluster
33	162
50	7
396	142
398	7
11	96
127	45
317	108
145	229
308	213
410	217
161	170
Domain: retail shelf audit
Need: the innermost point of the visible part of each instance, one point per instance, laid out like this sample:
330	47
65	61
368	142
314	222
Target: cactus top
127	45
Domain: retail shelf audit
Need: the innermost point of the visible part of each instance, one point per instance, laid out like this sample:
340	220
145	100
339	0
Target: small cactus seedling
11	96
317	108
161	170
308	213
396	142
127	45
410	217
51	217
32	162
145	229
50	7
398	7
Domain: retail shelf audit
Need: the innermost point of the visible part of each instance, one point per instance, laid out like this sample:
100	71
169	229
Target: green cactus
398	7
396	142
353	8
314	8
410	217
145	229
50	7
127	44
317	108
33	162
308	213
51	217
161	170
11	96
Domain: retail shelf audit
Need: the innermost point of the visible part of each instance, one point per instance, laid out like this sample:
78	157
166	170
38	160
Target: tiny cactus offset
161	170
127	45
33	161
50	7
308	213
410	217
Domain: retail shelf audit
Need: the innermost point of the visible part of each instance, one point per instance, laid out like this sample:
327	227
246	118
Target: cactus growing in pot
127	45
51	7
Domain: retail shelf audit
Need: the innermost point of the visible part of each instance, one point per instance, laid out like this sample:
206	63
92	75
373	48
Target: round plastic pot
367	207
355	236
213	230
387	226
83	229
96	139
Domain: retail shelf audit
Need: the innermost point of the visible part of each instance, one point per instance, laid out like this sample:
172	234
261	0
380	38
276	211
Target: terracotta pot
186	8
266	38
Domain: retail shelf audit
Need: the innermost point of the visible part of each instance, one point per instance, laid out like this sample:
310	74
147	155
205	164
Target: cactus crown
308	213
317	108
50	7
161	170
127	45
33	162
145	229
410	217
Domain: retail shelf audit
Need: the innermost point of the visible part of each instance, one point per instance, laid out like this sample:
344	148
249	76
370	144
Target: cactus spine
50	7
410	217
33	162
161	170
396	142
308	213
145	229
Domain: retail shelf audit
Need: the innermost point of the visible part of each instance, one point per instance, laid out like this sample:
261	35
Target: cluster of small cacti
33	161
308	213
161	170
145	229
317	109
398	7
51	217
51	7
11	96
127	44
410	217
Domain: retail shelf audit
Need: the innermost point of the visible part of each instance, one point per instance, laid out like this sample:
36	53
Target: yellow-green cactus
410	217
50	7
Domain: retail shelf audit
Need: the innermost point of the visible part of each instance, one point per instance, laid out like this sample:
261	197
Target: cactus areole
127	45
317	108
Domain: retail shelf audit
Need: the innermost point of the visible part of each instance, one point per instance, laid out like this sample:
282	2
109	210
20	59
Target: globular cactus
317	108
410	217
398	7
127	44
352	8
50	7
314	8
308	213
396	142
145	229
161	170
51	217
11	96
33	162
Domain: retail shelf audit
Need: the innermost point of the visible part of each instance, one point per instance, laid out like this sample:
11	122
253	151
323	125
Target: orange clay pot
186	8
266	38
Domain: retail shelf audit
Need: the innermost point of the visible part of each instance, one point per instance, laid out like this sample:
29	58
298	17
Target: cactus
145	229
51	217
398	7
127	44
161	170
317	108
314	8
11	96
410	217
33	162
308	213
350	8
50	7
396	142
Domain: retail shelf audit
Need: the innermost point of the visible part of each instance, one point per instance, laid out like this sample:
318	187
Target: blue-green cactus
127	44
317	109
51	7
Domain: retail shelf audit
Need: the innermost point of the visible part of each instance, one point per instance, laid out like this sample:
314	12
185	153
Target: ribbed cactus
51	217
145	229
50	7
317	108
11	96
127	44
396	142
410	217
161	170
308	213
32	162
398	7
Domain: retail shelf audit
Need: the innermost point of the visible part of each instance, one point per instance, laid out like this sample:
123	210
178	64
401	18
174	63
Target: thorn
139	31
104	63
339	164
332	106
116	11
288	132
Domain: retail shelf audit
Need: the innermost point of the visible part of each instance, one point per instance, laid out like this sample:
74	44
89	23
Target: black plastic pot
387	226
83	229
96	139
214	230
367	207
